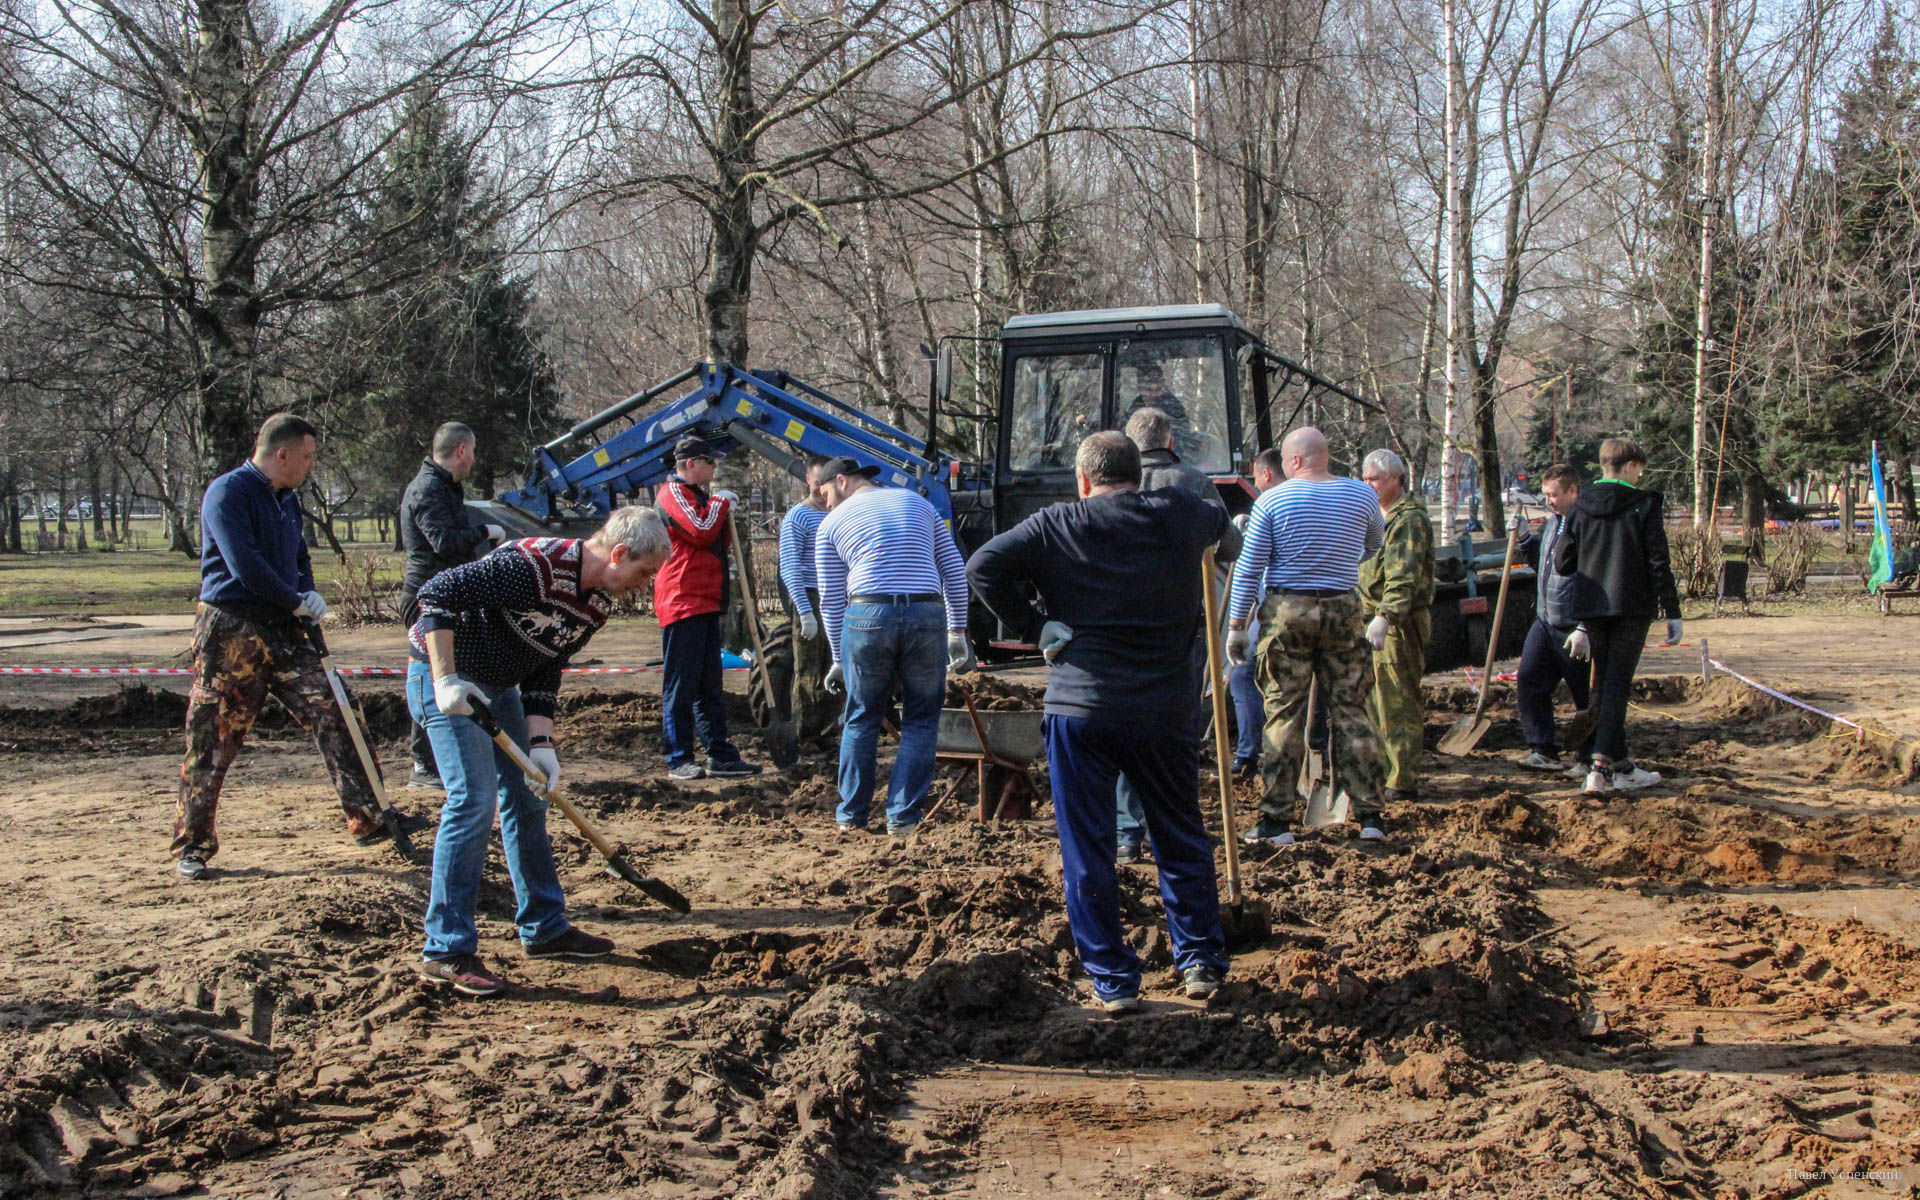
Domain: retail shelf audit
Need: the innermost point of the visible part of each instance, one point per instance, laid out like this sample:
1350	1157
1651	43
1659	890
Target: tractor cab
1066	375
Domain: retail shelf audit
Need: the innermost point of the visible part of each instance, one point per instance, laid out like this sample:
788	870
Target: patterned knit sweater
518	617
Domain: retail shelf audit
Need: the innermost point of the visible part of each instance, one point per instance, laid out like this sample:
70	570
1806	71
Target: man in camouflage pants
1396	595
1303	546
256	587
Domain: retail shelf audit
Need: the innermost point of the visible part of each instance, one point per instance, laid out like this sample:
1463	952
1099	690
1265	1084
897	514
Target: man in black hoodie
1614	547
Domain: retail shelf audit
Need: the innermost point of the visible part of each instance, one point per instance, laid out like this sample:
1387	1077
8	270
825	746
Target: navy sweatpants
692	698
1162	760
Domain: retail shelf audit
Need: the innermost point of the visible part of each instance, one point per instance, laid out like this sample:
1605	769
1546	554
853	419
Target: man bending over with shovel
500	630
1119	572
256	589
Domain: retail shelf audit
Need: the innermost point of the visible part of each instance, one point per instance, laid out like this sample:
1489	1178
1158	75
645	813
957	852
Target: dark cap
692	447
846	466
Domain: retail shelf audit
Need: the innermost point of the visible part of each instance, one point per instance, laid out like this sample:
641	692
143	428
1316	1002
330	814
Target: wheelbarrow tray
1011	735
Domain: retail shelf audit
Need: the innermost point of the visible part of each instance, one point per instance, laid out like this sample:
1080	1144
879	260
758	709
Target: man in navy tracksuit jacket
1119	573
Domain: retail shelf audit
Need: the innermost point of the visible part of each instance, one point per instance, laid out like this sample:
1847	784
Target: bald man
1299	564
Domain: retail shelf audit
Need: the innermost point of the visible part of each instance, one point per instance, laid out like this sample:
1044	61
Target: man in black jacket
1119	574
438	533
1544	661
1615	548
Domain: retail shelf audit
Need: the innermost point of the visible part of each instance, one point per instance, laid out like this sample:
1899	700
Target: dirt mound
992	692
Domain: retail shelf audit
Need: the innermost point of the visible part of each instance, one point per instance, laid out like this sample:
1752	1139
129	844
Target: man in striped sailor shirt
893	599
1303	547
813	710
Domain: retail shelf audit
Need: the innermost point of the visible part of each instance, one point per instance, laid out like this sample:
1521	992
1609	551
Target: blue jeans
1249	707
1085	759
884	647
692	696
476	772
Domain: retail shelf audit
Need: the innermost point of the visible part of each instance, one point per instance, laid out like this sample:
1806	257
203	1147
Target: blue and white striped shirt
797	529
886	541
1306	533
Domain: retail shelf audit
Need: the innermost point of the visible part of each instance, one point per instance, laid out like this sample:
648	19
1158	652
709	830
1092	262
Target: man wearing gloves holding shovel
501	630
1119	573
813	709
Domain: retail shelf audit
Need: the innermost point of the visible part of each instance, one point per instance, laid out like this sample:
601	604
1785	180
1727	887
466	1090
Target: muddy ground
1710	989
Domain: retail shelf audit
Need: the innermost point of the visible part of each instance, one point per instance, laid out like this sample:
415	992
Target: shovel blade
1324	808
1465	735
1579	725
783	744
1245	924
656	888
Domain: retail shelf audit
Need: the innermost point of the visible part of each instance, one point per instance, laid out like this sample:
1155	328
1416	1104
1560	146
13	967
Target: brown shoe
464	973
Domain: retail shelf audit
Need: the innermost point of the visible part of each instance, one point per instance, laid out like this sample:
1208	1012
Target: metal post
1706	663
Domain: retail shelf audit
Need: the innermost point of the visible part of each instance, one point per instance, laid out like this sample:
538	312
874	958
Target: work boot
1201	981
574	943
1632	779
464	973
1537	760
1271	831
687	771
426	778
731	768
410	823
192	864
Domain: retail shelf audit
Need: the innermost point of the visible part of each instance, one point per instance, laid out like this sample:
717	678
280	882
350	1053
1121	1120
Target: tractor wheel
770	681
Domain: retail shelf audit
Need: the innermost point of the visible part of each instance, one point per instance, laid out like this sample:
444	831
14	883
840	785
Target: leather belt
896	598
1314	593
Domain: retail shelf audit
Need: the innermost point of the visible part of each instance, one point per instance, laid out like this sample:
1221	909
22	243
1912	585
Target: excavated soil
1708	989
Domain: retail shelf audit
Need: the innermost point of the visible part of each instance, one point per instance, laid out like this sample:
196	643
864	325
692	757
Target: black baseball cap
844	465
692	447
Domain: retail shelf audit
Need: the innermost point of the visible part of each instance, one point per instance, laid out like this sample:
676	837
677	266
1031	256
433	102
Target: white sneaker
1577	771
1599	783
1634	780
1536	761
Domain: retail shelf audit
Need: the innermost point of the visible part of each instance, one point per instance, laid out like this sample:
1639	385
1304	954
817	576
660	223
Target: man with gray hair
1396	595
501	631
437	532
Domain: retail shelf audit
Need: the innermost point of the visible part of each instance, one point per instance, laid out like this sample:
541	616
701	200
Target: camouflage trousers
1303	638
237	666
1396	707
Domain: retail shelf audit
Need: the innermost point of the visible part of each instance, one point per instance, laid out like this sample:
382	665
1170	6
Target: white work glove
959	651
809	626
1239	644
1377	630
496	533
1240	521
1675	628
1579	645
727	495
1054	636
452	695
312	607
549	764
835	682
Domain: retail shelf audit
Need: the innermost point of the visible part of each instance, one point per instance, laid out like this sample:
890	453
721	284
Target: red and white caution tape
1859	729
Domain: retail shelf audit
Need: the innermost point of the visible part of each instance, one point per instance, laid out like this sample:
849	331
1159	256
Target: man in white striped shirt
1303	547
892	583
813	710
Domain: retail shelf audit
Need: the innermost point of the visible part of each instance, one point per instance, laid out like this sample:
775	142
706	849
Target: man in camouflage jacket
1396	594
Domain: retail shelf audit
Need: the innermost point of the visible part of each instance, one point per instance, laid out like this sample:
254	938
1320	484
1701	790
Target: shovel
389	816
783	742
1326	803
1467	731
616	857
1580	724
1243	922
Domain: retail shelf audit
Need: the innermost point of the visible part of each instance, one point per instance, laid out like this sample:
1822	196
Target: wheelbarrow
1001	745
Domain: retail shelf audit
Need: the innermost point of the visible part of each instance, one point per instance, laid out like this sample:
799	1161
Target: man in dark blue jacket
1544	662
1119	573
256	587
438	533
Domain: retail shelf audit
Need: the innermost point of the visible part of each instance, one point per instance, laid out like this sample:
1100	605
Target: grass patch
140	582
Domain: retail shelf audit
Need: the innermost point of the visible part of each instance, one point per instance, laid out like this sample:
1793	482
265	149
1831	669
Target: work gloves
732	500
549	764
496	534
959	651
1579	646
835	682
1239	645
1054	636
809	626
311	608
1377	633
1675	628
453	695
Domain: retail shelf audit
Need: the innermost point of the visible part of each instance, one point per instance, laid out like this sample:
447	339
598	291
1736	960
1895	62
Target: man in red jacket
689	594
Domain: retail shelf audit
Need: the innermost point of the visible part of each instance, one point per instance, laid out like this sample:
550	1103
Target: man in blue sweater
256	587
1119	573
